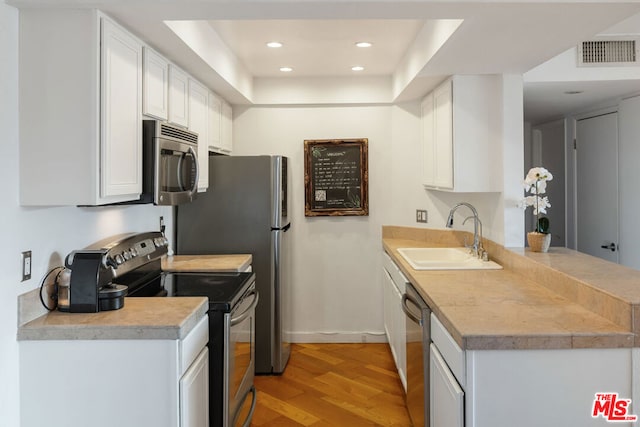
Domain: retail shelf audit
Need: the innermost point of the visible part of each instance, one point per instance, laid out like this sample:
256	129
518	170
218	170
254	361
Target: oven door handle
240	318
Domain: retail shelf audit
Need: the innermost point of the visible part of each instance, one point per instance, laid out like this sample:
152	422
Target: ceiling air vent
608	53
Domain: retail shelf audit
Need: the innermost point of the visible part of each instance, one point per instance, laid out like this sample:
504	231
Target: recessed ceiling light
357	68
286	69
274	44
363	44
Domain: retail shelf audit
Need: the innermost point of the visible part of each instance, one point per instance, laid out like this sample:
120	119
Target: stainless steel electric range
134	260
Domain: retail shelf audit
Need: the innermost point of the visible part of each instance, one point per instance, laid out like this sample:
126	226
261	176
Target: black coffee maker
90	287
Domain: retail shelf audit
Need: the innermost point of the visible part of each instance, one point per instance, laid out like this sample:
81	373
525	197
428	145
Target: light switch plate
421	215
26	265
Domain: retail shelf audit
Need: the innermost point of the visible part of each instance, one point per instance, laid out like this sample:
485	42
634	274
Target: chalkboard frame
336	145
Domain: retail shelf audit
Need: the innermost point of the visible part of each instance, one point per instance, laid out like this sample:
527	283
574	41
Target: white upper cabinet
178	97
215	122
121	130
221	116
86	148
226	126
155	85
461	135
198	122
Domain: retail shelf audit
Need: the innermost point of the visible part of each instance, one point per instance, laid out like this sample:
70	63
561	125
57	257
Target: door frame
572	161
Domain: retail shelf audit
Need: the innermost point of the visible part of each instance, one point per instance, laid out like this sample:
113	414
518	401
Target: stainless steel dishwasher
418	323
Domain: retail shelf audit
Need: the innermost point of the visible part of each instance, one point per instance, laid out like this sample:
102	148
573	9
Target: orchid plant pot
538	242
540	239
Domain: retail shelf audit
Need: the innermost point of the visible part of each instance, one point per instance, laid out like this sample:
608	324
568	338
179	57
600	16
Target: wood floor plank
333	385
289	411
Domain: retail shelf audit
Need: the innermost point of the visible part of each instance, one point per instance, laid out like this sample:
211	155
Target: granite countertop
206	263
140	318
538	301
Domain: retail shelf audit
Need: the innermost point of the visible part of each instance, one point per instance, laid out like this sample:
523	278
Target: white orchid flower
542	205
537	174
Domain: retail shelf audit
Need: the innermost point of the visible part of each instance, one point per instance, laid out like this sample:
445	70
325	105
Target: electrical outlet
421	215
26	265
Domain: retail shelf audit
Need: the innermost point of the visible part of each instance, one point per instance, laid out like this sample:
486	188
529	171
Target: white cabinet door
459	135
121	125
198	122
155	85
428	142
226	134
178	96
446	396
194	393
394	323
215	123
443	135
387	299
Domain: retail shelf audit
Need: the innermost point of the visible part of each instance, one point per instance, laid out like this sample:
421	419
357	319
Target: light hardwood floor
333	385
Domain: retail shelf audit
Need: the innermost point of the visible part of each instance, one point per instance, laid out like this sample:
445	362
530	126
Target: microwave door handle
179	170
195	158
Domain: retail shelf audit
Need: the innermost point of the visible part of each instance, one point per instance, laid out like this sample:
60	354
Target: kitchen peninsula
534	341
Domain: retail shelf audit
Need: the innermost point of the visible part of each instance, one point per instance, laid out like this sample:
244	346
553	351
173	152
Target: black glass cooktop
222	289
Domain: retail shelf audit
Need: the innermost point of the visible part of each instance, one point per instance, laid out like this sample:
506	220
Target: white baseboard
336	337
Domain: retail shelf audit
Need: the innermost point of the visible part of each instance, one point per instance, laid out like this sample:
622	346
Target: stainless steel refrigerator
245	211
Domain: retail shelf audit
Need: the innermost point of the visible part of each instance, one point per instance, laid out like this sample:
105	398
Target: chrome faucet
476	248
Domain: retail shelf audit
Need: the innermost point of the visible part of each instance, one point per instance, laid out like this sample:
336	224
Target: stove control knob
119	259
134	252
126	255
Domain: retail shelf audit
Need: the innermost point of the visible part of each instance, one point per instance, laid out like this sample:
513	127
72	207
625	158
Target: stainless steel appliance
170	164
232	301
245	211
418	324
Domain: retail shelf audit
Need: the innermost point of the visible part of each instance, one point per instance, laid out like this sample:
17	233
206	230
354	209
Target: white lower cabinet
527	388
394	318
194	393
446	395
124	383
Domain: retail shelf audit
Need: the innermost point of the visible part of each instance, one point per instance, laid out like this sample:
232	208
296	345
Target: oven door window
177	171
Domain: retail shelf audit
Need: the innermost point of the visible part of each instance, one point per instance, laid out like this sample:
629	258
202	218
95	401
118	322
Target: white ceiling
506	36
319	47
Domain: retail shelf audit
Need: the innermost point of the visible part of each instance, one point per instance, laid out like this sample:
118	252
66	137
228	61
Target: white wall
337	260
50	233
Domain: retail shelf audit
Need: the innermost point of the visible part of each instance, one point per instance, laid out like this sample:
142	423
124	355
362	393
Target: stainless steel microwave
170	164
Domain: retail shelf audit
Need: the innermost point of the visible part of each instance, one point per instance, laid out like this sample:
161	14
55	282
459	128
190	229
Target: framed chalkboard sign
336	177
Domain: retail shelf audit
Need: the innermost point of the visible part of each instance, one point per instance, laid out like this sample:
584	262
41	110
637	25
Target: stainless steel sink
456	258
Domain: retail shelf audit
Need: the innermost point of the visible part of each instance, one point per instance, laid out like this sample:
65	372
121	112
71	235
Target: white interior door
597	186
